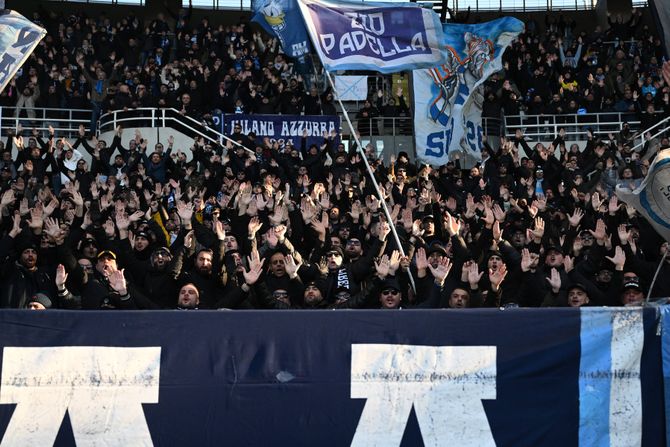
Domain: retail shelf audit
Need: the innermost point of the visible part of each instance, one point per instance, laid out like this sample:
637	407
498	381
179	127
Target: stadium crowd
146	226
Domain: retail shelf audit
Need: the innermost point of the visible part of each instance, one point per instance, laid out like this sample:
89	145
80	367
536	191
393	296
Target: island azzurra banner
448	98
282	18
283	128
384	37
521	377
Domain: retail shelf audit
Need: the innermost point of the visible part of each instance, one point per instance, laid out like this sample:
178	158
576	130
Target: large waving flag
652	197
384	37
448	98
18	38
282	18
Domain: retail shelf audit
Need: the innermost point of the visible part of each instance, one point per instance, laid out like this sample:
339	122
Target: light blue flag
282	19
18	38
652	197
448	98
383	37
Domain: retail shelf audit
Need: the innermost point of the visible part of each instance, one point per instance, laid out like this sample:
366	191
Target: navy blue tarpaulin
518	377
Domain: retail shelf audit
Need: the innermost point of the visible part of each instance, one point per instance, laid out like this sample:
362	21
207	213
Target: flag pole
372	176
658	269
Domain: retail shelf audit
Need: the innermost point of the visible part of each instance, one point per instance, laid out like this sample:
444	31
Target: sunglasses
332	254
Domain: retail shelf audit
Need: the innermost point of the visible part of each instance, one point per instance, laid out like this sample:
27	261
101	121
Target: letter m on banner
101	388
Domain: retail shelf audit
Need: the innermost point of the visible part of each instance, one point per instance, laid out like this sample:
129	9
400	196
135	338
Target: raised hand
7	199
118	282
420	259
474	275
16	226
624	234
52	229
382	267
255	224
218	229
619	258
394	262
441	271
554	280
599	233
61	277
596	201
497	277
291	265
497	232
613	205
185	211
453	225
576	217
384	230
526	260
538	229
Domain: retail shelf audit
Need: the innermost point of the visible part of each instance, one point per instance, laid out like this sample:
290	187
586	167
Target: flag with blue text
384	37
448	98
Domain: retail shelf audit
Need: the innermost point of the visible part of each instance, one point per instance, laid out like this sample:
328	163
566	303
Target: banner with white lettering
519	377
448	98
18	38
282	18
283	128
384	37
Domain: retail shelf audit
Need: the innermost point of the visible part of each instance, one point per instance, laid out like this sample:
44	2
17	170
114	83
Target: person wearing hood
21	275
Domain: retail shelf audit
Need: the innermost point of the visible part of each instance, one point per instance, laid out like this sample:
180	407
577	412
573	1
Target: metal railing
575	126
664	124
404	126
161	118
65	122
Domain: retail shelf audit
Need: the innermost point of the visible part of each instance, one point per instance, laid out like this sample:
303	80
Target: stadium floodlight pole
372	176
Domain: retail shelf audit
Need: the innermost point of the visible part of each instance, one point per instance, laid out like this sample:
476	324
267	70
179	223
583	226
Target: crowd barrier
514	377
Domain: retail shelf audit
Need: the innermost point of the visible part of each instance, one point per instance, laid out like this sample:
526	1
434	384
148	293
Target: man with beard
21	275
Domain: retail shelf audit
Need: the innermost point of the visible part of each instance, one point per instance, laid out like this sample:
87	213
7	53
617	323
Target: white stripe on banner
594	383
626	390
610	391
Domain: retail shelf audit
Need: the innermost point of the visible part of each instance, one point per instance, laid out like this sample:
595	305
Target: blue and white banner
283	128
652	197
448	99
384	37
351	87
18	38
522	377
281	18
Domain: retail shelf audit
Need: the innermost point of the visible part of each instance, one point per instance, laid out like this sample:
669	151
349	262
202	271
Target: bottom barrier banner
518	377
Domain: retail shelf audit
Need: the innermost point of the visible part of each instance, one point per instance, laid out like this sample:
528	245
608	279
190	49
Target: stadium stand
139	223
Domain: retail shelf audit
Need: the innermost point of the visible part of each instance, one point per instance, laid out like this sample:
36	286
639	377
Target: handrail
660	132
643	142
62	120
185	121
574	125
